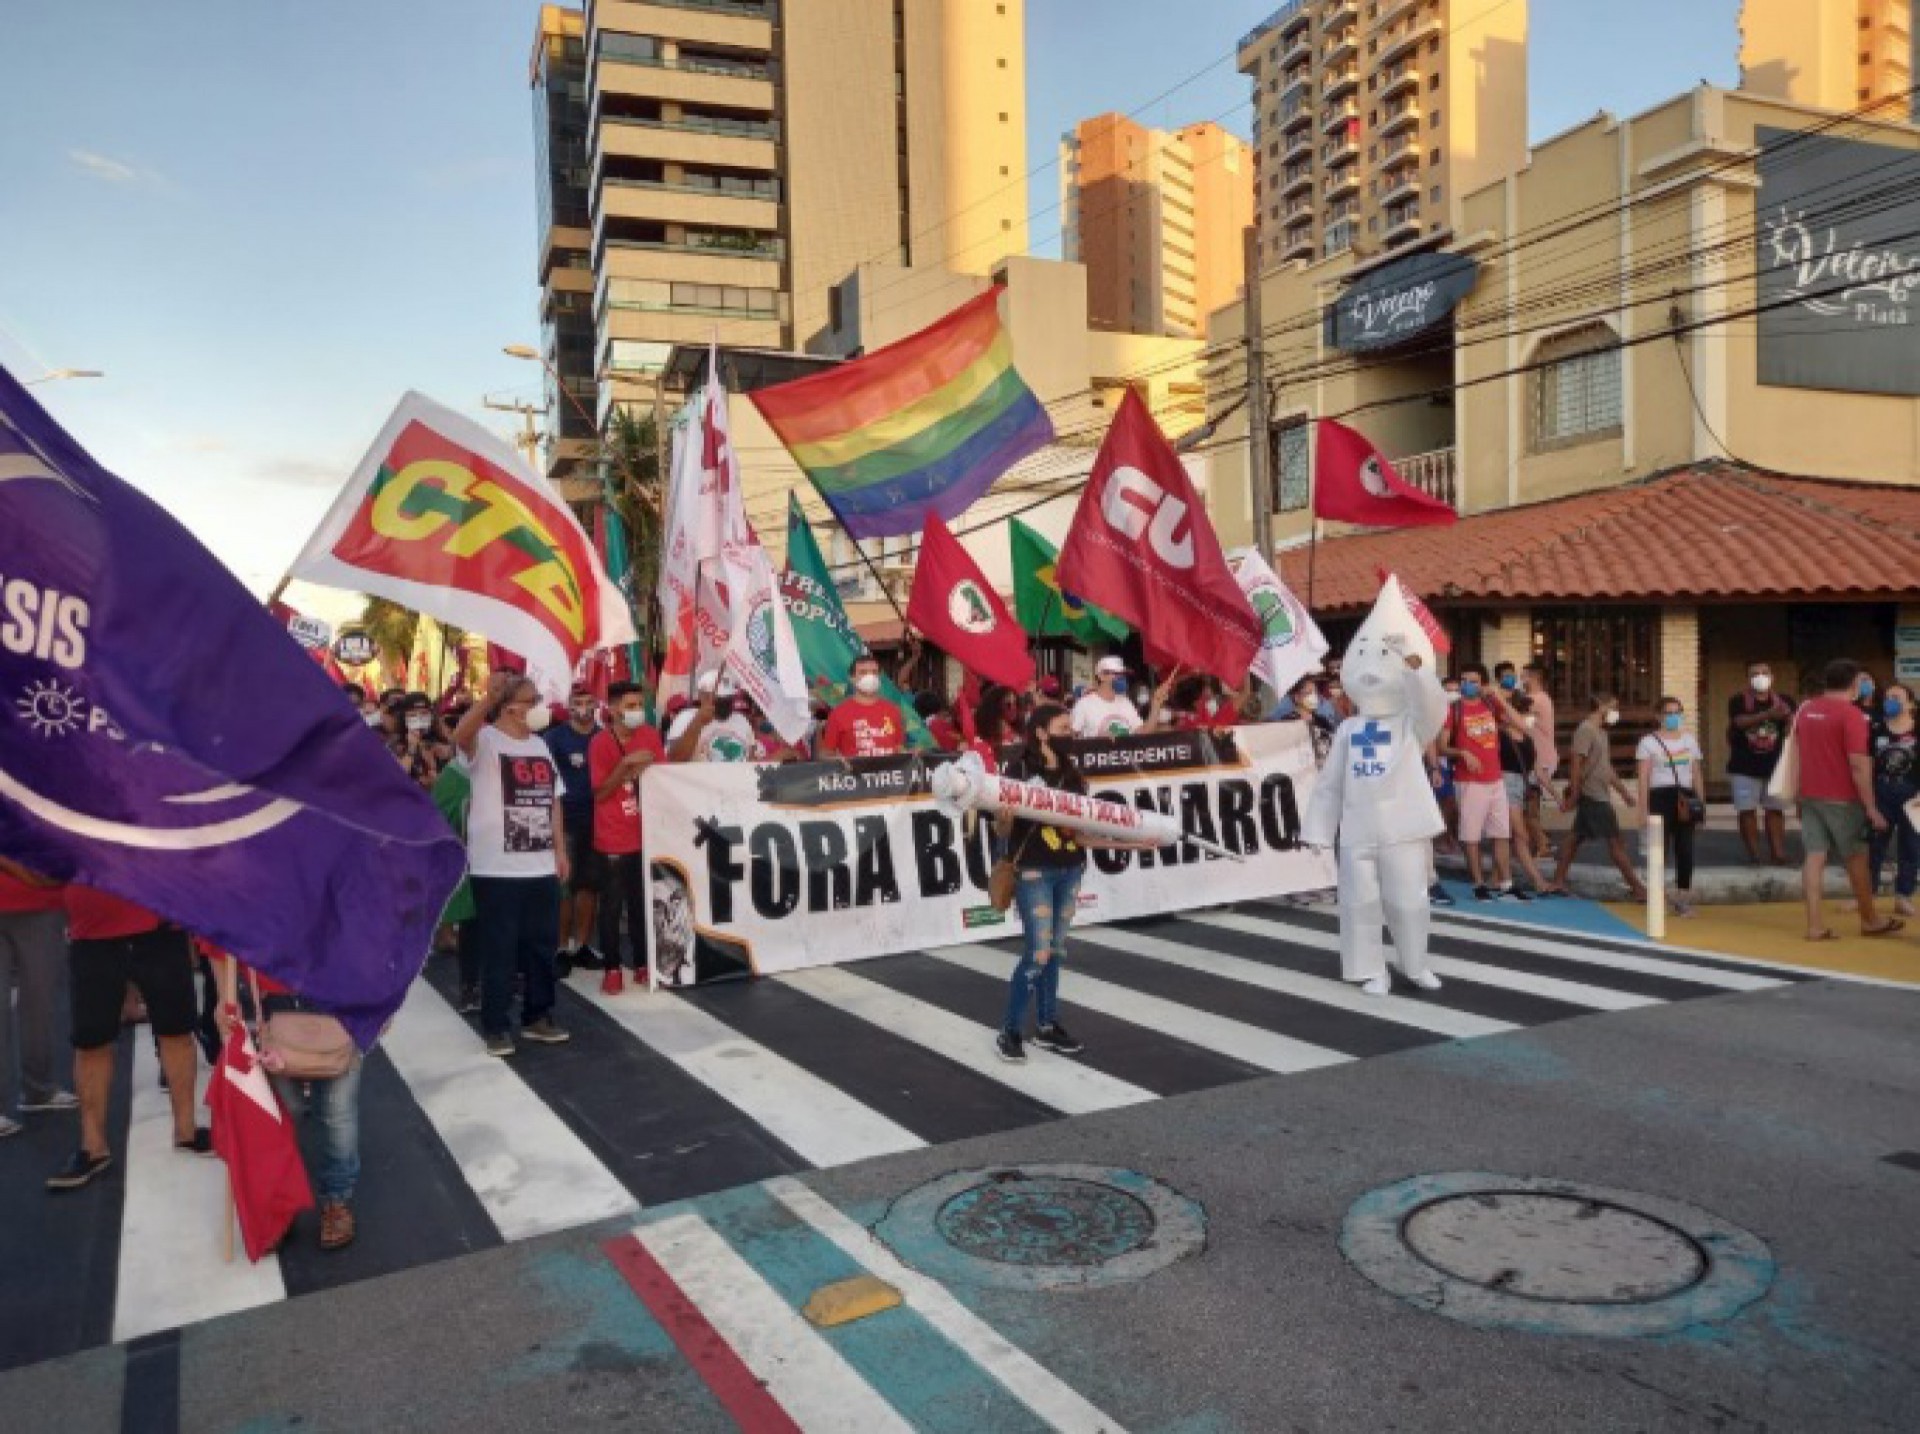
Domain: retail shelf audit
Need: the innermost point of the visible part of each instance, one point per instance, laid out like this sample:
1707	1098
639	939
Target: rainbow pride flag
921	426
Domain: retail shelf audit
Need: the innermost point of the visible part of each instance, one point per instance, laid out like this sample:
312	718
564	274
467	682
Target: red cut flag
1422	614
252	1134
1141	547
1354	483
955	606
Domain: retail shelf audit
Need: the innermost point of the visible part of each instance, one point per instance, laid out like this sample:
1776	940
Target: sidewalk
1776	932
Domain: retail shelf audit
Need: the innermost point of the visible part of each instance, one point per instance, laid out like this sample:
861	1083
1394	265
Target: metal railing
705	124
1435	473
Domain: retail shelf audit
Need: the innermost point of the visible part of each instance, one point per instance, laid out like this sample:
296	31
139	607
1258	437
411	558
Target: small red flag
955	606
1422	614
1141	547
252	1134
1354	483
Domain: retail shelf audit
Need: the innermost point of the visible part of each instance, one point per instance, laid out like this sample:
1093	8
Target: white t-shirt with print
1097	716
516	785
1654	749
728	741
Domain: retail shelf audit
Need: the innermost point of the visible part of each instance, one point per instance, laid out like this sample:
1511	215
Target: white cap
709	680
1110	664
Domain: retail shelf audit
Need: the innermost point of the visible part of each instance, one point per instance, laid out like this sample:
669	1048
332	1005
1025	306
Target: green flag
827	642
1045	611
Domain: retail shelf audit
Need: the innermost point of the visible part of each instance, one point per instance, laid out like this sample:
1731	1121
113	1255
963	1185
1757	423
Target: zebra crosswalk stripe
1613	960
1067	1087
1266	1049
1421	1015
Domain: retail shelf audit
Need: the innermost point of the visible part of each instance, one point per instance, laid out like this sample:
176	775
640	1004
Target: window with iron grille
1589	650
1576	387
1291	475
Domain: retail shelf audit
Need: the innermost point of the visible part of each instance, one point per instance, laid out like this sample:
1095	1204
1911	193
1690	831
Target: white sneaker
53	1100
1426	981
1378	986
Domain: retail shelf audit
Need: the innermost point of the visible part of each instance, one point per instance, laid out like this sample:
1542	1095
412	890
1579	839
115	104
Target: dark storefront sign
1399	302
1837	229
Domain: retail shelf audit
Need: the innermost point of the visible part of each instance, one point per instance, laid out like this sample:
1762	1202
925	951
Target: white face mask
538	718
372	717
421	723
632	718
1530	720
1453	694
1762	683
1611	717
866	684
1307	702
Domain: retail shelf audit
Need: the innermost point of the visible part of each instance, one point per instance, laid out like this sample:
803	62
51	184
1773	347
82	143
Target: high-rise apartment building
747	155
557	75
1372	116
1156	216
1834	54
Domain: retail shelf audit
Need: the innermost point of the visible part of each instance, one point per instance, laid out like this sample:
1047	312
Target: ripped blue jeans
1046	898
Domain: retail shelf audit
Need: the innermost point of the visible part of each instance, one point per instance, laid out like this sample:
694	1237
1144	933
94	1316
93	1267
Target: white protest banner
777	868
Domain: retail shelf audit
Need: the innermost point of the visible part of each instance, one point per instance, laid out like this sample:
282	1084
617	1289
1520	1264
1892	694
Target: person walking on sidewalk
1546	752
1837	804
1757	721
32	942
1896	782
1672	787
1591	785
1471	739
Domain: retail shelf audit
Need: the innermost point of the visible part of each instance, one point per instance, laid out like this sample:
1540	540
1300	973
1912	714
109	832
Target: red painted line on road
735	1385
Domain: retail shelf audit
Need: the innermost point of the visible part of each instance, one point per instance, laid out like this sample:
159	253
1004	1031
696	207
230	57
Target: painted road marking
173	1266
1573	993
1018	1372
532	1174
816	1388
1266	1049
819	1122
1421	1015
1614	960
1067	1087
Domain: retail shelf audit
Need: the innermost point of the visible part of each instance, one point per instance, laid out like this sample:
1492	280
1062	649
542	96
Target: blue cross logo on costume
1370	746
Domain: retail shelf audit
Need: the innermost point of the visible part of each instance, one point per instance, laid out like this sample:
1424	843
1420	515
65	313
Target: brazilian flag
1043	609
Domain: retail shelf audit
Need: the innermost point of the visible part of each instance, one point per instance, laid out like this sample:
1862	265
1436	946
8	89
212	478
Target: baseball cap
1109	664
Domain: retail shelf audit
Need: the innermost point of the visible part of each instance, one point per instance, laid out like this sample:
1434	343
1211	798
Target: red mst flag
955	606
1141	547
1354	483
252	1135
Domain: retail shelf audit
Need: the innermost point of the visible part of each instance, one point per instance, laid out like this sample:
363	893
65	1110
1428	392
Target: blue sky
265	220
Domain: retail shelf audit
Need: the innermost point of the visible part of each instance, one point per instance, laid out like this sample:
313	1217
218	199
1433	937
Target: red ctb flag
1141	547
1422	614
252	1134
954	605
443	517
1354	483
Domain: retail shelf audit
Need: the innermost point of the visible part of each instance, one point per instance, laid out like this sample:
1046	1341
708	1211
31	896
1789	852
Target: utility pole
1259	435
528	439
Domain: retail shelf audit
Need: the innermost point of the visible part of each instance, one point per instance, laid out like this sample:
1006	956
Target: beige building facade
1156	216
1372	117
1831	54
746	156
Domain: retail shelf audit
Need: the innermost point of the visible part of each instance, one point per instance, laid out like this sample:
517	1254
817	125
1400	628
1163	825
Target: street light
59	373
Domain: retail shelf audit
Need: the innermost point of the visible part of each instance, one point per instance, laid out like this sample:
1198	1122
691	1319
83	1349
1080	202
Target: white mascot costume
1375	797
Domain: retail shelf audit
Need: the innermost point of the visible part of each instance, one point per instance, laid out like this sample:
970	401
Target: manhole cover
1044	1220
1051	1226
1554	1247
1552	1256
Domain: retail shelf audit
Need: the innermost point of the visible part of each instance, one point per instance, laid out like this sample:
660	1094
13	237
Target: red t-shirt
616	816
1476	730
95	916
18	895
864	729
1828	731
945	733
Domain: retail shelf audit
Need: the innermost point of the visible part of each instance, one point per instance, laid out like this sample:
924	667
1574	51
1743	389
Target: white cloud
112	171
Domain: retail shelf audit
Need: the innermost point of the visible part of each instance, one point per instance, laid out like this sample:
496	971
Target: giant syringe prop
964	785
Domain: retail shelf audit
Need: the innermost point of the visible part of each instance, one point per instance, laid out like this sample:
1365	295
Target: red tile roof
1713	531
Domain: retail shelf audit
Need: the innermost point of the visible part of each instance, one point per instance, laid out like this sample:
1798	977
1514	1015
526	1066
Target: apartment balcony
1298	212
1298	244
1405	186
1343	181
691	326
1405	42
740	24
1339	238
684	82
1341	48
1340	149
1299	146
686	204
1294	78
1400	79
1298	23
1403	118
726	144
1338	117
1435	473
1403	224
1405	150
1344	211
691	263
1297	48
1296	114
1392	11
1341	82
1337	10
1297	177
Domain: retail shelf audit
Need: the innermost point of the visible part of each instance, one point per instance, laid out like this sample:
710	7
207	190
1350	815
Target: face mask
1119	687
1509	682
1611	717
1469	689
1672	720
421	723
866	684
1762	684
1866	688
1308	702
1893	707
1529	720
538	718
372	719
632	718
1453	694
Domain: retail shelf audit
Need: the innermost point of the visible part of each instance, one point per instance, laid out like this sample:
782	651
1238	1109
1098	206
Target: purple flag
161	738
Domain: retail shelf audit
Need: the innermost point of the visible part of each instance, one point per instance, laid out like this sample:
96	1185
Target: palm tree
636	491
392	628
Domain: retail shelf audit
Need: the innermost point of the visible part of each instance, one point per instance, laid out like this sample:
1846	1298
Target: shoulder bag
1689	810
302	1045
1784	784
